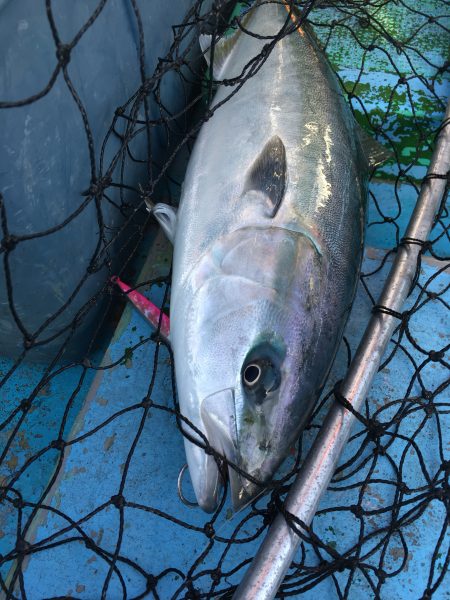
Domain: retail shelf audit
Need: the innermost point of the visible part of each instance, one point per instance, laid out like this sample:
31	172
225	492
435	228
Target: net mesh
402	427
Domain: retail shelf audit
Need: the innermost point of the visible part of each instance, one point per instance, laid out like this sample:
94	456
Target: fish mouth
243	491
219	418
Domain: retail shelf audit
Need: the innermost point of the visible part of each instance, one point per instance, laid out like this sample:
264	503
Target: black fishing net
391	490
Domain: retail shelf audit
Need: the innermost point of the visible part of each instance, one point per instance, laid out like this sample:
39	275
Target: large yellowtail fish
268	242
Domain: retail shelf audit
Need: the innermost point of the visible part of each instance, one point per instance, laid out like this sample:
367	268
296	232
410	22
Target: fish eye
260	377
252	374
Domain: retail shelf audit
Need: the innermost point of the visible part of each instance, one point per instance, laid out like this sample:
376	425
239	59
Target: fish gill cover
392	484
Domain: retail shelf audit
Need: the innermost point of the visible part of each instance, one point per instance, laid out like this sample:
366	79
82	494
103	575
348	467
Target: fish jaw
205	476
248	474
219	418
219	421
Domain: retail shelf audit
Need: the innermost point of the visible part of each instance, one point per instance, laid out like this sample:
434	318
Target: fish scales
262	292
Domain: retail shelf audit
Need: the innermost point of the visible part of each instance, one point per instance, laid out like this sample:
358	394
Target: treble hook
182	497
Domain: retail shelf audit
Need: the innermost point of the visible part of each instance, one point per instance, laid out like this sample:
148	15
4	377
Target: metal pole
267	571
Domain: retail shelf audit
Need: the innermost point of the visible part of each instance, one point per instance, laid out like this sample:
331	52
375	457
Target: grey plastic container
44	158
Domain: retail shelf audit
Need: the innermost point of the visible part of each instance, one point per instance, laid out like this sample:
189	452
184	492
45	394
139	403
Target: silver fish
268	242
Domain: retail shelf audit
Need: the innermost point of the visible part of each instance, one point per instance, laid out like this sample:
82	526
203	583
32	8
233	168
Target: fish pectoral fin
375	153
167	217
268	173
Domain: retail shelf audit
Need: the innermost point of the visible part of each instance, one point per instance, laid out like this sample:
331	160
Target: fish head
247	370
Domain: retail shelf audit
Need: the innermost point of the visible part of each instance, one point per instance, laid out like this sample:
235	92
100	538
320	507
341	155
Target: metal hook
183	499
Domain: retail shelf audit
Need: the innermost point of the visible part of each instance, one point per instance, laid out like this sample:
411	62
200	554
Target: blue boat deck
117	485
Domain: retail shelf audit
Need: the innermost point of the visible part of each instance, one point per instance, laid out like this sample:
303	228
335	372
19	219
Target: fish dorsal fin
204	39
268	173
374	152
223	49
167	217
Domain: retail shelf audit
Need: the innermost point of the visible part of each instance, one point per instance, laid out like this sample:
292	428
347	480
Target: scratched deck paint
155	542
